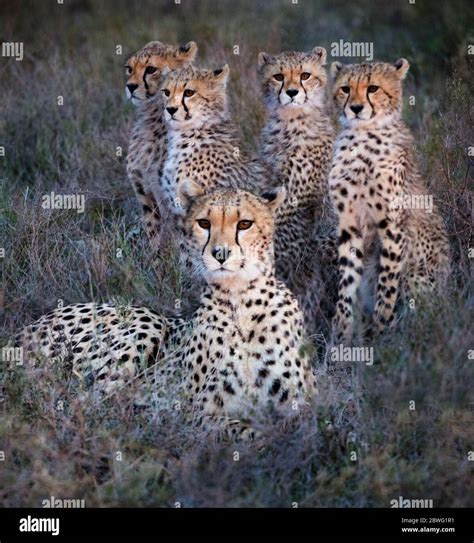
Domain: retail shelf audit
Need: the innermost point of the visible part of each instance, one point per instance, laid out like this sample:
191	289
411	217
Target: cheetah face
293	80
367	94
229	233
192	97
145	68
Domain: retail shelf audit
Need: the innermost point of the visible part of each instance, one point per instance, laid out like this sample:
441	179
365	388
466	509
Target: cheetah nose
131	87
292	92
357	109
221	254
171	110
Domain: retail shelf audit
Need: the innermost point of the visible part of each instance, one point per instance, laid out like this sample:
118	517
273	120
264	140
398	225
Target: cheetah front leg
350	253
149	207
392	261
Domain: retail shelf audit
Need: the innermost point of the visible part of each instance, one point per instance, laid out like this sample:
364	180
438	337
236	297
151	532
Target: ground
103	452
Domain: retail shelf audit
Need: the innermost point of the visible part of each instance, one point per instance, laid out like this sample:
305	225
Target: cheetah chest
243	361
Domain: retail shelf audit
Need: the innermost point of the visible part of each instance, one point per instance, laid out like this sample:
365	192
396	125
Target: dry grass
61	255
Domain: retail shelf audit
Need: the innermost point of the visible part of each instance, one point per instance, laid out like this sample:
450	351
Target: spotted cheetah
243	349
147	147
373	175
250	349
102	344
203	145
297	143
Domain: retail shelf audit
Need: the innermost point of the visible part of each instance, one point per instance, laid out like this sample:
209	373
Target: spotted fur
297	144
147	149
244	348
251	342
373	169
102	343
203	145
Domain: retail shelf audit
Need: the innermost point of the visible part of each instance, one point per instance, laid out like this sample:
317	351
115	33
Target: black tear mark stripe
345	103
207	241
144	73
282	83
208	235
347	99
183	102
301	83
237	238
305	93
368	99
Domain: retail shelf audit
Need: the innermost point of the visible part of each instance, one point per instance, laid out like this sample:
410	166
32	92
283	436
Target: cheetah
101	343
147	148
297	144
203	145
243	349
251	347
373	174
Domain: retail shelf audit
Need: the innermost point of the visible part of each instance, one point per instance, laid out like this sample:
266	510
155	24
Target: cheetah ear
274	198
186	193
336	69
188	51
318	54
264	58
402	66
155	44
222	74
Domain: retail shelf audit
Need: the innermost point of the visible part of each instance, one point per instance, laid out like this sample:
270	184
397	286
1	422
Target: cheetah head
229	232
293	80
193	97
145	68
368	94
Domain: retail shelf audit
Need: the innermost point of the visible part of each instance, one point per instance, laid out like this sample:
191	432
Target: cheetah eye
129	69
279	77
373	88
166	92
346	89
204	224
305	75
244	225
188	93
150	70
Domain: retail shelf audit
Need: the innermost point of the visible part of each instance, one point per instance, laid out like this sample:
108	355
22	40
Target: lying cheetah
203	145
102	344
297	143
147	147
250	349
244	348
373	174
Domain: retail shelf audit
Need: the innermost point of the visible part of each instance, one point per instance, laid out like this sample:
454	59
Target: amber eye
373	88
204	224
166	92
346	89
279	77
188	93
129	69
244	225
305	75
150	70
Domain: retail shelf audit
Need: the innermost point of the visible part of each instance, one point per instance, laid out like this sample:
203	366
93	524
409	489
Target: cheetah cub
147	148
297	144
243	350
378	195
203	145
